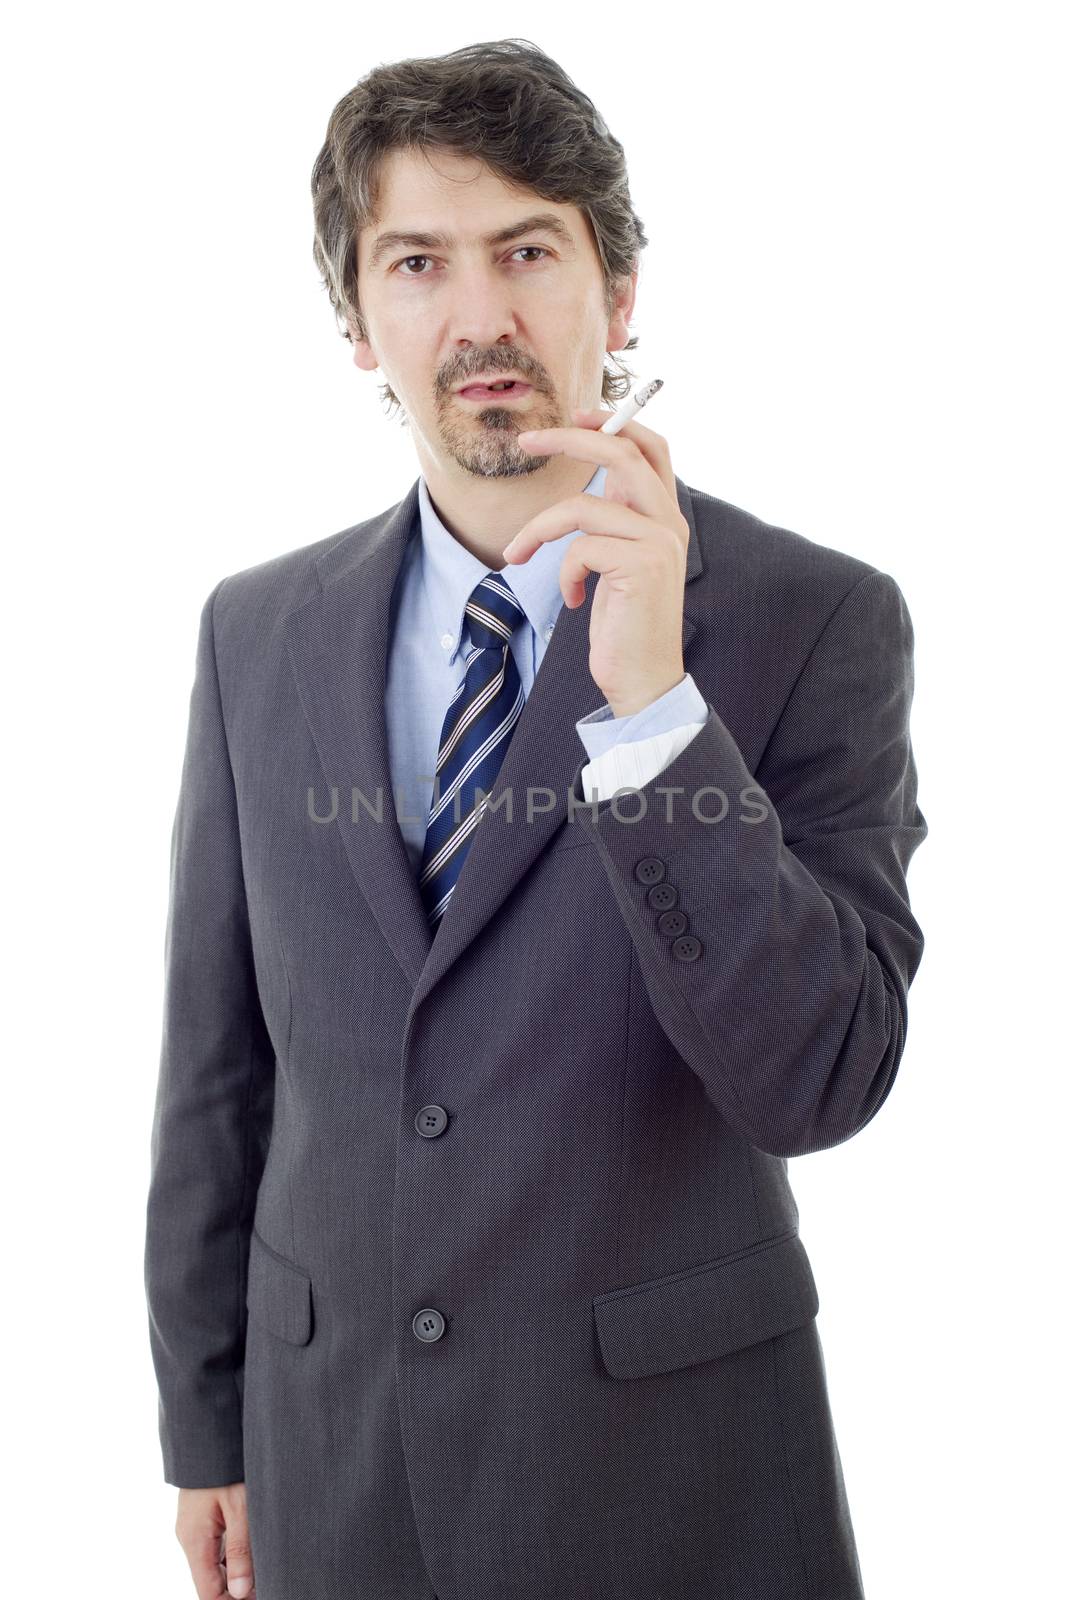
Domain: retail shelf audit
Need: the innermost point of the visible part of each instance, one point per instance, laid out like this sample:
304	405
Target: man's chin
513	462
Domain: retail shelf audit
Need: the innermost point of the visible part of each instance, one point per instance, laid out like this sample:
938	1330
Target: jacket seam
288	1051
754	1188
624	1151
788	1468
242	1278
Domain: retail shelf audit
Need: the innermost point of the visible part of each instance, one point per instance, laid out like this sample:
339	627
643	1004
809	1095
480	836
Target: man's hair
505	103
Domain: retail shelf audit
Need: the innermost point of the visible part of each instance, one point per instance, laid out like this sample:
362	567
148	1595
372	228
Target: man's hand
637	541
206	1517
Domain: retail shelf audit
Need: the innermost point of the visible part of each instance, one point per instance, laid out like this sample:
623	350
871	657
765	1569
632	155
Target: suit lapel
339	648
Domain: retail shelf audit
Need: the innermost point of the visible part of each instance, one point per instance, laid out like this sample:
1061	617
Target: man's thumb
239	1578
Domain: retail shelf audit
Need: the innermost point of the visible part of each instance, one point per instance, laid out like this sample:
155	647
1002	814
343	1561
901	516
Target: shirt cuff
633	763
684	703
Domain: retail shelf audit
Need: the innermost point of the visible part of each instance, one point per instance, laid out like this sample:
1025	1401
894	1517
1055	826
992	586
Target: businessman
537	891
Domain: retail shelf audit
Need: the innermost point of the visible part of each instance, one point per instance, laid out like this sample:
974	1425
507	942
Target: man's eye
540	249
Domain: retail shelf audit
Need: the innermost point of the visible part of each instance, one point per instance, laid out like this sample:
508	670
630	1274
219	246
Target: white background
855	289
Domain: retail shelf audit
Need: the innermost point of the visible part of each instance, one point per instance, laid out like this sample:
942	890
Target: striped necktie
475	735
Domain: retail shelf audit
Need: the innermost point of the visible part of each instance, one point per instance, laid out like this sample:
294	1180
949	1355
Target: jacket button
429	1325
687	948
650	869
672	922
431	1121
662	897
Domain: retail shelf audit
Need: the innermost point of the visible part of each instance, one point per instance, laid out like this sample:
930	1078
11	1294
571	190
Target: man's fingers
212	1529
202	1551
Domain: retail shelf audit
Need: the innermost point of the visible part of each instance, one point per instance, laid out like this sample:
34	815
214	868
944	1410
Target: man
472	1261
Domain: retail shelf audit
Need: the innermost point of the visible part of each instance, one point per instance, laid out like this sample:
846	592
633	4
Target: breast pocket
279	1293
707	1311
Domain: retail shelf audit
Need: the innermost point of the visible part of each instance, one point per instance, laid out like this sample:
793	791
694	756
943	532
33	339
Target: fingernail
240	1588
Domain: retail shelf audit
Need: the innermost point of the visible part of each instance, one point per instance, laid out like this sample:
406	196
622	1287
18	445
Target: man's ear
623	307
362	352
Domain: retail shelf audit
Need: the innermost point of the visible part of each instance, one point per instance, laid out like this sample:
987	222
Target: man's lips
482	391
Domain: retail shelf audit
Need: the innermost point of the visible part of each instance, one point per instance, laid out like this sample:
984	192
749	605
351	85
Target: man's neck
484	514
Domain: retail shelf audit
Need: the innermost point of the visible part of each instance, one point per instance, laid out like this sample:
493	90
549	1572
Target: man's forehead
423	207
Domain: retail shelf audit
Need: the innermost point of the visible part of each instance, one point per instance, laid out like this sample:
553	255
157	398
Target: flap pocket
279	1293
697	1315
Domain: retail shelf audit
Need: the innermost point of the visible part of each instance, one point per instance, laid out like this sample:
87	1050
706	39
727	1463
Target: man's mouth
505	390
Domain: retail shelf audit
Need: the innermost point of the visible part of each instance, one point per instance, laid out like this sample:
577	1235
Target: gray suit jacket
476	1257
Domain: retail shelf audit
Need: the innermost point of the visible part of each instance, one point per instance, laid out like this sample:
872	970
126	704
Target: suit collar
338	644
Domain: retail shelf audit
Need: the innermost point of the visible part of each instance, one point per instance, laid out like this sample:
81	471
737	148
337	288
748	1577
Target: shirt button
548	630
447	641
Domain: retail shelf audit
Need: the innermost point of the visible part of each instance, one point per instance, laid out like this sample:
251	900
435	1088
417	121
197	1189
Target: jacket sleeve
784	984
213	1107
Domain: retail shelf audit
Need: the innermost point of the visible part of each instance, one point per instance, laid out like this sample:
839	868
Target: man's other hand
212	1529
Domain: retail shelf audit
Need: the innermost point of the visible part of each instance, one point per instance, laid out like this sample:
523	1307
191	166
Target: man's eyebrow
542	222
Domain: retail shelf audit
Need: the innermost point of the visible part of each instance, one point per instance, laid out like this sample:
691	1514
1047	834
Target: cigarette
619	419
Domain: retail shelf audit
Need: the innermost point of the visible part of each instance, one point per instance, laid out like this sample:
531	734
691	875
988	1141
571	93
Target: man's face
440	314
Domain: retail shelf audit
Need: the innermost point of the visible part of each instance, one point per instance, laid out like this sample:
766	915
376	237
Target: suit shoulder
772	577
262	595
769	552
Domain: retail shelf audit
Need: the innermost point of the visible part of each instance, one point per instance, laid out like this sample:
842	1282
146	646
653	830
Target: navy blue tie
475	735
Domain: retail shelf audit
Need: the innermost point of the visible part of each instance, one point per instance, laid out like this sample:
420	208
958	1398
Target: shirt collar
450	572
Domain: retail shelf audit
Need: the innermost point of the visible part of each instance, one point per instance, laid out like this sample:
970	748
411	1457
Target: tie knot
492	612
